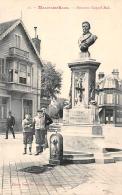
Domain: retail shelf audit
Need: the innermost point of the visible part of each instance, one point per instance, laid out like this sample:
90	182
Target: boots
6	135
37	150
30	153
40	149
13	135
25	151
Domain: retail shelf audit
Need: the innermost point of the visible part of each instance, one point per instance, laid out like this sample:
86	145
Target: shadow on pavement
37	169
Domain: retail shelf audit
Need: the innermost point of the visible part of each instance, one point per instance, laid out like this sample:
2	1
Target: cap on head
40	110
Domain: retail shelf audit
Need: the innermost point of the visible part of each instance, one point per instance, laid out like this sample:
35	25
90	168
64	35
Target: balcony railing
19	88
13	51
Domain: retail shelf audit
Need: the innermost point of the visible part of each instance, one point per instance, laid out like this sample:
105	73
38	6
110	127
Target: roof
8	27
5	26
110	81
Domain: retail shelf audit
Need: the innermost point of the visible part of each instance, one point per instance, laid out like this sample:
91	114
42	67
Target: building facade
109	98
20	72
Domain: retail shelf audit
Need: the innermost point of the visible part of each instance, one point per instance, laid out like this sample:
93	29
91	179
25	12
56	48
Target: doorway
109	116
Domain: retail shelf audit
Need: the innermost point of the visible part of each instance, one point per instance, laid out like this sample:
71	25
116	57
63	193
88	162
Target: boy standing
27	133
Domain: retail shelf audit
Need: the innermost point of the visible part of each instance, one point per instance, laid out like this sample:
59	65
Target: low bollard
56	149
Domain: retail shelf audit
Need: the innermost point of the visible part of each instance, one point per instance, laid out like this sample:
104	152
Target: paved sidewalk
32	175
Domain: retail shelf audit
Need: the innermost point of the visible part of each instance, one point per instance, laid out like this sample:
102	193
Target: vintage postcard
60	97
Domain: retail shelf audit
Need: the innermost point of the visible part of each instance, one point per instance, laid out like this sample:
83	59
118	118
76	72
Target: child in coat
27	133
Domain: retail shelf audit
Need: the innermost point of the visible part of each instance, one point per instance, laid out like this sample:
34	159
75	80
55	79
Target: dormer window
18	40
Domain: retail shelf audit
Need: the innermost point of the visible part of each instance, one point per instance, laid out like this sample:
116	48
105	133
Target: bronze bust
86	40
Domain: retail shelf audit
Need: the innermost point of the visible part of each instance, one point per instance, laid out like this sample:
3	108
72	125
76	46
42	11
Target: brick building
20	72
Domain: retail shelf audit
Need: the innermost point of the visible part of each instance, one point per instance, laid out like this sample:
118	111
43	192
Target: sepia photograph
60	97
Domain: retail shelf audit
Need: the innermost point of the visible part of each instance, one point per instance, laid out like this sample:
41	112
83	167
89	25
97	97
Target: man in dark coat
48	121
10	125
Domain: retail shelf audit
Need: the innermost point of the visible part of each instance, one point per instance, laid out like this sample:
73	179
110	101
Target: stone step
85	160
104	160
117	156
101	158
78	158
78	153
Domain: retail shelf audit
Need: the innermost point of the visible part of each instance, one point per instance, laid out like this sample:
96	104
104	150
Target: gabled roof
5	26
8	27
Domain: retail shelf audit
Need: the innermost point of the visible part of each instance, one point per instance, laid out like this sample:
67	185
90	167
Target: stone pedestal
83	76
81	130
84	69
77	116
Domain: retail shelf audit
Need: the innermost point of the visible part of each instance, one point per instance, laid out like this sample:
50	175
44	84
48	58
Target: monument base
81	140
80	116
55	162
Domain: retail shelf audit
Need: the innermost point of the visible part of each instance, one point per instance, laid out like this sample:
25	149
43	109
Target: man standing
48	121
40	123
10	125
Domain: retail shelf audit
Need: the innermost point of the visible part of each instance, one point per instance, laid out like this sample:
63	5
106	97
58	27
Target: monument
81	127
83	76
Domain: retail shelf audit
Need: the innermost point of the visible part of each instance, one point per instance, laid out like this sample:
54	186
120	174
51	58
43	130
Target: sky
59	30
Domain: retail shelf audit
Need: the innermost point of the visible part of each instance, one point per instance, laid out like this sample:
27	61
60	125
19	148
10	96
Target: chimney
115	72
101	75
36	40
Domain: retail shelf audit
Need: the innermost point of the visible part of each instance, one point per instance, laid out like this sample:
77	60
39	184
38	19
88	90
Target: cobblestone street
32	175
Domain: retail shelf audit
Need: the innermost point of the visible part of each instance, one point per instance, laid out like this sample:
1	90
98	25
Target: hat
43	108
40	110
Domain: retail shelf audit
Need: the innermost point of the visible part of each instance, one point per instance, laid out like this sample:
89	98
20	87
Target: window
101	99
3	107
2	66
29	75
18	40
2	70
10	71
120	99
109	98
16	67
22	80
23	74
29	70
117	98
32	77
